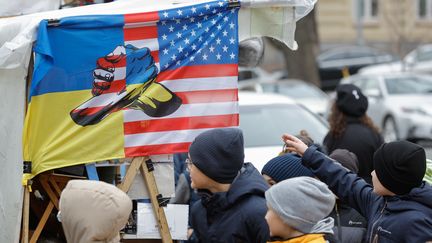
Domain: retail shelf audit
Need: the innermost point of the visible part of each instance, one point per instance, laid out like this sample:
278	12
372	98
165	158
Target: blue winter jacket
236	215
401	218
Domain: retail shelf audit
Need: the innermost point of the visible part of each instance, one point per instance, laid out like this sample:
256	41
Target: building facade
392	25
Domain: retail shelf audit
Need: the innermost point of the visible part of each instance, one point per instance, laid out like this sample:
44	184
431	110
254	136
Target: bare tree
397	20
301	64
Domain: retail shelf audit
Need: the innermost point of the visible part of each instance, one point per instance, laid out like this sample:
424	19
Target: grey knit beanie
301	202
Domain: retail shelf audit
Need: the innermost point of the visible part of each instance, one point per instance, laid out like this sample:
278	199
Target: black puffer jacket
236	215
401	218
350	226
359	139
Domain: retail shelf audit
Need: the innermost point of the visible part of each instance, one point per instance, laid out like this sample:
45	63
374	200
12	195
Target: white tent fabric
19	7
12	104
17	35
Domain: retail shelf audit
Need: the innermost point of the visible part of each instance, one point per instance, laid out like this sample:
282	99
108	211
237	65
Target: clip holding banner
27	167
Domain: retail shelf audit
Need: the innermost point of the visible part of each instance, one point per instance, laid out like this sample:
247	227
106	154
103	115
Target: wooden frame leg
130	174
25	216
42	222
46	186
158	210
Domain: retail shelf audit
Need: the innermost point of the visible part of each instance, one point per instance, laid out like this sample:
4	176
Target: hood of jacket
416	198
324	226
93	211
249	182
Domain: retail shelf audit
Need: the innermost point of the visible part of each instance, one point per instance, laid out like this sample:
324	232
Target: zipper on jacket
376	221
338	222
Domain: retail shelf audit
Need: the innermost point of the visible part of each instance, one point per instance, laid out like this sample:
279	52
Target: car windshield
294	90
425	54
408	85
263	125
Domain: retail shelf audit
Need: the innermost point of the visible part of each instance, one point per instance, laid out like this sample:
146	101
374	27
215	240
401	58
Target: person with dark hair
352	129
350	226
232	206
398	206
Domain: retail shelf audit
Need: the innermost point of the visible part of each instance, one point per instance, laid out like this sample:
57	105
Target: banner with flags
116	86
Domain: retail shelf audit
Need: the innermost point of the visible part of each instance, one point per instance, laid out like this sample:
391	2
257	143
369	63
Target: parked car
265	117
331	63
399	103
418	61
302	92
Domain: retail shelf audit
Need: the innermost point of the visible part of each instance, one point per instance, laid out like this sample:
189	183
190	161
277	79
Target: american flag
196	50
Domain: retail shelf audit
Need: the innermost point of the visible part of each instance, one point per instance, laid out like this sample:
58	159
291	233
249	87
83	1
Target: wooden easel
53	185
145	166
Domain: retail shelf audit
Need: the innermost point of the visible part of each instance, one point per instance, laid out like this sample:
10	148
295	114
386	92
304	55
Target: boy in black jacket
399	205
232	205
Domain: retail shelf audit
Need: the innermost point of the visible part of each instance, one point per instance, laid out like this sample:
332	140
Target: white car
418	61
265	117
302	92
399	103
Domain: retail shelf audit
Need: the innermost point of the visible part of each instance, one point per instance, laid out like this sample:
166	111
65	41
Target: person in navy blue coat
232	205
398	206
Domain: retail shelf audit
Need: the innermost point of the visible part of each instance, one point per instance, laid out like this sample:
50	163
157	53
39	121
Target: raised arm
345	184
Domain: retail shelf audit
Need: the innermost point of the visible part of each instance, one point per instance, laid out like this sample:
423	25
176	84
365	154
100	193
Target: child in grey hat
298	210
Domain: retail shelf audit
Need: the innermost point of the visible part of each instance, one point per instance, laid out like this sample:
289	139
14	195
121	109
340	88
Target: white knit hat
301	202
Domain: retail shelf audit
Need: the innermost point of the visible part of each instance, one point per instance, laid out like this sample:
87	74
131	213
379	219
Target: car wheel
390	132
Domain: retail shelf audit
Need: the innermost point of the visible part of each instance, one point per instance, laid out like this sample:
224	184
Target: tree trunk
301	64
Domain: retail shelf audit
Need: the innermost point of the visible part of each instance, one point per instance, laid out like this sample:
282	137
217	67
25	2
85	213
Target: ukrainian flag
62	80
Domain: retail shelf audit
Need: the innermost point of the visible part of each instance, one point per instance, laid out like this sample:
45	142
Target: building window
366	10
424	9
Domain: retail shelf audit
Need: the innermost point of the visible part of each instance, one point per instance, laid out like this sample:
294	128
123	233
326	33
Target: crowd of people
353	188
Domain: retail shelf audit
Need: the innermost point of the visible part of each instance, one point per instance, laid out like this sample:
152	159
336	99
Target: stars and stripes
196	50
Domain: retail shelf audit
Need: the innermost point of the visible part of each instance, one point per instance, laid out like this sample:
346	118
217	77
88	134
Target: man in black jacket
232	205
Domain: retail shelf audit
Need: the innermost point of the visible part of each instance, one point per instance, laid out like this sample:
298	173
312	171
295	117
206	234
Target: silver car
399	103
265	117
302	92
